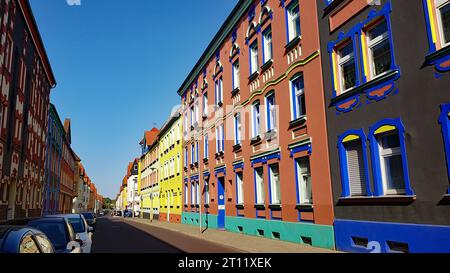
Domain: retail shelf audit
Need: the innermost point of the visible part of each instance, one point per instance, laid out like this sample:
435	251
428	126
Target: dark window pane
390	141
394	172
445	15
349	74
378	30
382	57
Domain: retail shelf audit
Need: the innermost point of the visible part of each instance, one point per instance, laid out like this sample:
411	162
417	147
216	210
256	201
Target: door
221	203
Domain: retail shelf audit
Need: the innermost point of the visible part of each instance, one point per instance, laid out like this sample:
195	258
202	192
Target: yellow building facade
170	164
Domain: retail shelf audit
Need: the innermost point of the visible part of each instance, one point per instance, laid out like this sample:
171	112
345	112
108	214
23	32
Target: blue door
221	203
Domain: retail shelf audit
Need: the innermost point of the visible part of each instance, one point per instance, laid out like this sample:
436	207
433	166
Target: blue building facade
56	135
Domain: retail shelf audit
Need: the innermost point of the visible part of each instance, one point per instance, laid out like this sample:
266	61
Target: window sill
432	58
260	207
275	207
255	140
390	75
304	207
378	200
253	76
266	65
235	91
206	206
240	206
270	134
205	160
293	43
297	122
204	117
237	147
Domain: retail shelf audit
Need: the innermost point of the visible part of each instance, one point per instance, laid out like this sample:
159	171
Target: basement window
241	229
398	247
307	240
260	232
276	235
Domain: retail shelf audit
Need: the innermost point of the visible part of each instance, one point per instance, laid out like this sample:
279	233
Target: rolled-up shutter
355	167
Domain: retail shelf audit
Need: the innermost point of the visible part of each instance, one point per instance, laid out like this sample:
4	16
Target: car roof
49	219
63	216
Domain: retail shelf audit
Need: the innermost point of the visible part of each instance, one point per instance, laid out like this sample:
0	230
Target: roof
37	40
224	33
150	136
173	117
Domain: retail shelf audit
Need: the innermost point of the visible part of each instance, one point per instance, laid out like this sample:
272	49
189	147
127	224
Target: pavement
234	242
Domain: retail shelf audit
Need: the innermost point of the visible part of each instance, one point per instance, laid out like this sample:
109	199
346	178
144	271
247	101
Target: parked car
21	239
127	213
118	213
60	233
91	219
81	228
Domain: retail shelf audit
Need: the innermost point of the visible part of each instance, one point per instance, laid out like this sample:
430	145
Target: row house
170	162
390	169
26	79
148	175
255	147
81	199
68	163
133	199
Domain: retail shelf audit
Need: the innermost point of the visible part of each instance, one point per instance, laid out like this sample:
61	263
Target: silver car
81	228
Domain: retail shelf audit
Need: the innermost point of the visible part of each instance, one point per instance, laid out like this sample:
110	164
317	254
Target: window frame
240	188
341	61
438	5
236	75
254	58
372	43
291	21
299	179
274	188
295	113
444	121
218	90
267	45
260	192
256	116
237	129
271	113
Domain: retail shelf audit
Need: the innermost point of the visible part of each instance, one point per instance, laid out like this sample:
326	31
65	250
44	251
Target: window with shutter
355	166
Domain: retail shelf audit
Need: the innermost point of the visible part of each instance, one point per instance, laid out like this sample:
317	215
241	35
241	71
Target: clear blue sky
118	65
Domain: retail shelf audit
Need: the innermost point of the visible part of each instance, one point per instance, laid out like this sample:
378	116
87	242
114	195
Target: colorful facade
386	82
68	169
133	198
26	78
255	143
170	175
149	169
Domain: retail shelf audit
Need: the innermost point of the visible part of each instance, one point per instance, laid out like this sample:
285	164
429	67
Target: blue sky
118	65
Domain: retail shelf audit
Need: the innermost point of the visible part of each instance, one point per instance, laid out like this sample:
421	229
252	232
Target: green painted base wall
319	235
190	218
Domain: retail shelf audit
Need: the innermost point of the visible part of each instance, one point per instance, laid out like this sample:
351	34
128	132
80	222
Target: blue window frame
354	165
293	29
298	104
389	161
444	120
267	49
253	55
271	111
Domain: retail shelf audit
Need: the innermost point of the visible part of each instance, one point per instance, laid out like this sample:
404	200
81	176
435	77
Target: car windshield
55	231
77	224
88	216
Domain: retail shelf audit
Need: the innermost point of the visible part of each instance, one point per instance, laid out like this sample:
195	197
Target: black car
21	239
91	219
60	233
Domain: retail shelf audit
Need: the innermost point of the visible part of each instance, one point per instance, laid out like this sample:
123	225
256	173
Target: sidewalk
244	243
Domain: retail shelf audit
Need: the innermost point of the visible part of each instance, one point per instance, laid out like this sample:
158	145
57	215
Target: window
303	180
267	45
355	167
192	115
193	194
271	112
186	157
443	15
259	181
237	128
275	193
218	88
206	191
197	192
293	20
256	120
391	163
178	163
379	49
205	146
192	153
347	67
186	193
196	151
254	58
186	122
298	97
220	141
236	75
196	111
205	104
239	188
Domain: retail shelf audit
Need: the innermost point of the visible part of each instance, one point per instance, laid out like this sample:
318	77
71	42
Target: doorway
221	203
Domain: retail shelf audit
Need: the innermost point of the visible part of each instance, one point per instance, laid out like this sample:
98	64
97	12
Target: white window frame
206	185
254	65
205	103
292	18
385	153
219	90
342	60
240	188
440	4
260	187
205	146
197	192
238	129
371	43
302	180
193	195
236	75
256	119
186	197
275	188
267	42
272	113
294	97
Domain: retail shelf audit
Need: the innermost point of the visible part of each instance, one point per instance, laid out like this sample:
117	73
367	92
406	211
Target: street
115	235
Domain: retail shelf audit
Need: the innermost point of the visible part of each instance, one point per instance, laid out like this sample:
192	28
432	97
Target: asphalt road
114	235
